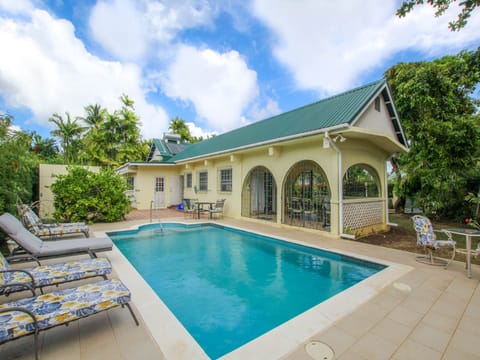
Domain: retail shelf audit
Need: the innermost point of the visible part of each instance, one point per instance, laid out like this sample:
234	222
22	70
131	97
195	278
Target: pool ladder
158	215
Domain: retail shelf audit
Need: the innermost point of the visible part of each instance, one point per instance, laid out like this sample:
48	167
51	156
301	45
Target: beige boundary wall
46	174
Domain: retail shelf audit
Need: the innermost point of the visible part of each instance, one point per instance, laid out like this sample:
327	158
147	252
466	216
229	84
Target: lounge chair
217	209
40	249
34	314
33	223
427	238
13	280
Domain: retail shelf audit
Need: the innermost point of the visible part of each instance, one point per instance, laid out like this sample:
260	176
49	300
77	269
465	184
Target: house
322	166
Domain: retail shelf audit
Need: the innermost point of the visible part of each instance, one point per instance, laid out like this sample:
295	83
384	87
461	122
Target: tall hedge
83	195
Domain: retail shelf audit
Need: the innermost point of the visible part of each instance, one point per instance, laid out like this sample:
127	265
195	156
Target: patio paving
428	313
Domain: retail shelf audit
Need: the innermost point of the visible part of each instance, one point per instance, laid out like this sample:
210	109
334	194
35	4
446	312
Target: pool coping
176	342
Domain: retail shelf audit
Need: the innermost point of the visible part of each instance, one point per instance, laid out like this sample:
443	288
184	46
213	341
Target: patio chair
14	280
427	238
31	315
295	209
190	207
35	225
217	209
39	248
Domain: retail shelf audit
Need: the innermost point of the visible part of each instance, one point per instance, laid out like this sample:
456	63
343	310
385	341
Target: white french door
159	192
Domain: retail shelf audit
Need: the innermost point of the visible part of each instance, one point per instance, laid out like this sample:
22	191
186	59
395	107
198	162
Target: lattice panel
360	215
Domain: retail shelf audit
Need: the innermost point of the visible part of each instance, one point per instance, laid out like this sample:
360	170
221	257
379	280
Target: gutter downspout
387	219
340	187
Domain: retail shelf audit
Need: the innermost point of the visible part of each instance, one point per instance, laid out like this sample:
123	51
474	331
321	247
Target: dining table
469	235
201	207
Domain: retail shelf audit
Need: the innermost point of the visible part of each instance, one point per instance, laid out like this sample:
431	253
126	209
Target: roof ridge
383	80
332	111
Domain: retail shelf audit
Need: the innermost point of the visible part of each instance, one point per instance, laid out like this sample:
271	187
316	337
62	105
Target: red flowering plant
473	223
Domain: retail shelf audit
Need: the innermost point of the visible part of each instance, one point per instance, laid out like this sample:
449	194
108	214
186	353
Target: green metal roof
322	115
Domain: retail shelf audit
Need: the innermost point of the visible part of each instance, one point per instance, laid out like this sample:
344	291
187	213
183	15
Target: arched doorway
259	195
306	196
364	206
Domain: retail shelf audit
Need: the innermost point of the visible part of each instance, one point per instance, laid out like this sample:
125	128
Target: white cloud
220	86
166	18
16	7
45	68
271	108
329	45
119	27
127	28
197	131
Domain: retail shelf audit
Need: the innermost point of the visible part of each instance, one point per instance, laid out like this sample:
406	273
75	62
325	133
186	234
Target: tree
178	126
69	132
439	113
442	6
83	195
18	166
113	138
46	149
95	116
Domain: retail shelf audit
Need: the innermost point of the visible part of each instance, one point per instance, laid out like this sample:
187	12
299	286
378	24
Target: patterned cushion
424	229
61	307
425	234
57	273
4	265
33	223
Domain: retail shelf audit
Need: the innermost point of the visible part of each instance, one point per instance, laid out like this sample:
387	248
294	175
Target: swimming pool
228	284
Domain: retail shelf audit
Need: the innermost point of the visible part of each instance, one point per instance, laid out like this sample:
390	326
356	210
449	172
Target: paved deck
428	313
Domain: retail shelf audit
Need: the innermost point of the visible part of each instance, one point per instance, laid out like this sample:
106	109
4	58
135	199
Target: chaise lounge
14	280
34	314
33	223
40	249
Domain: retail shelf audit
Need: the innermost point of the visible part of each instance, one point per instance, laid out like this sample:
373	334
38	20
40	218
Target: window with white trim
203	181
130	182
188	180
159	184
225	180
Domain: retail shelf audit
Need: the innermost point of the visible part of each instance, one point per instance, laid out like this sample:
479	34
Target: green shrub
83	195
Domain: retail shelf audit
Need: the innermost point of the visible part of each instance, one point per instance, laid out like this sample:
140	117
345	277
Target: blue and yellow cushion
35	225
61	307
426	235
54	274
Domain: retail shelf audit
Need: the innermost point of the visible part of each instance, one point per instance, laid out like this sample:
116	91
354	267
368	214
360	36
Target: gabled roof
166	149
329	114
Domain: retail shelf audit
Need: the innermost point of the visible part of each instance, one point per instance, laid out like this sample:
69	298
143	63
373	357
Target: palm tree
68	131
95	115
44	148
178	126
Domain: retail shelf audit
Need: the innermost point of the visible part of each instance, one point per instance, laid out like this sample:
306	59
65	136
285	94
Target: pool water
227	286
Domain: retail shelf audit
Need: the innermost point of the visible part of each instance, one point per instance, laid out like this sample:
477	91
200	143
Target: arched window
306	196
259	195
361	181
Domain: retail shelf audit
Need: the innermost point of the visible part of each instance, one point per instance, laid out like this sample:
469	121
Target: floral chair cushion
426	235
60	307
53	274
33	223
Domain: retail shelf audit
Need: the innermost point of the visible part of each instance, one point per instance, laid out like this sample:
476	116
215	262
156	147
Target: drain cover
319	350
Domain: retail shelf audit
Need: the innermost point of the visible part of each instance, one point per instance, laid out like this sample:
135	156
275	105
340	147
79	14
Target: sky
218	65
